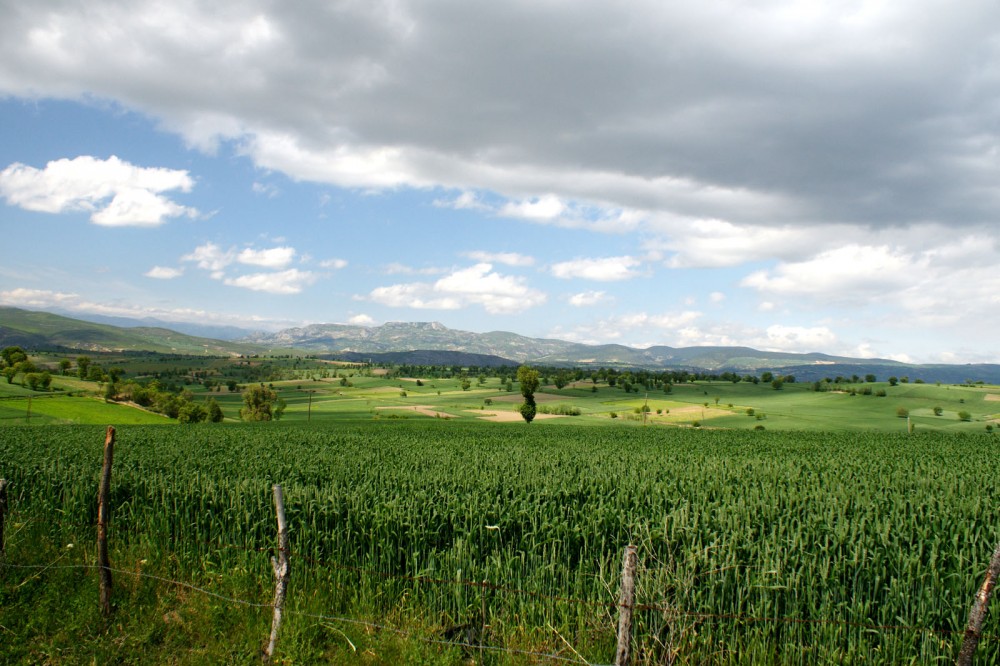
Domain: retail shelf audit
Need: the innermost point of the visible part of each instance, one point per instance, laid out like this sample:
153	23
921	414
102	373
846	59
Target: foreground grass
755	547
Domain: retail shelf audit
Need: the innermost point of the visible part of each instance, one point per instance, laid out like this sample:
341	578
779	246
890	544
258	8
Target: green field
755	546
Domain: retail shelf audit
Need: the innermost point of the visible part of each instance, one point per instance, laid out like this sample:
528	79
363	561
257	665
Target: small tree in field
257	401
528	380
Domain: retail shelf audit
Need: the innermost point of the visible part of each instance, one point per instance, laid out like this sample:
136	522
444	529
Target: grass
389	519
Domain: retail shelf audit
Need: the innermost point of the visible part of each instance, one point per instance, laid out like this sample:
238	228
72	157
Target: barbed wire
291	611
495	587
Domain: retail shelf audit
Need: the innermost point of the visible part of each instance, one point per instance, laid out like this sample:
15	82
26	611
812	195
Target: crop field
414	539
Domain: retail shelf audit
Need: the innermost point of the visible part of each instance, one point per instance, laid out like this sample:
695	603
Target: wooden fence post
281	571
3	511
977	614
626	603
103	564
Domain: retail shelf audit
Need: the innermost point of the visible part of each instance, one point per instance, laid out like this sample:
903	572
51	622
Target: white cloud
38	298
266	189
164	272
607	269
361	320
418	295
334	264
396	268
476	285
291	281
548	207
800	338
717	297
211	257
276	257
849	272
113	191
467	200
588	298
506	258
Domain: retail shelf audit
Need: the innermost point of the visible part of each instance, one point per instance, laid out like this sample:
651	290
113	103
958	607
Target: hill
43	330
432	343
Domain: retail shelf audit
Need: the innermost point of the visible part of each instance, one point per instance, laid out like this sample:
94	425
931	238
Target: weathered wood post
103	563
3	511
973	631
623	654
281	571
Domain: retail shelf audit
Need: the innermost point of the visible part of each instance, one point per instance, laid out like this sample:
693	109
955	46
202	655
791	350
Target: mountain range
428	343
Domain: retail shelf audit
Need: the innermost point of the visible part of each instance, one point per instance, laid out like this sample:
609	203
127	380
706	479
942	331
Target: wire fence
497	587
669	613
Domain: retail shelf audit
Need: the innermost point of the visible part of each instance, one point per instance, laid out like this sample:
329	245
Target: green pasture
353	393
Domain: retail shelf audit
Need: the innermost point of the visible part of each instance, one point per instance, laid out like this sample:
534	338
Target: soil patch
539	397
504	417
426	410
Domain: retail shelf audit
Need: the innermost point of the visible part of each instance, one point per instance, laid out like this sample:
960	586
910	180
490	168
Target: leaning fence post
977	614
103	564
3	510
281	571
625	605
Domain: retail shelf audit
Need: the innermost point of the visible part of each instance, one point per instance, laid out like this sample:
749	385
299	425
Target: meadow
323	391
411	537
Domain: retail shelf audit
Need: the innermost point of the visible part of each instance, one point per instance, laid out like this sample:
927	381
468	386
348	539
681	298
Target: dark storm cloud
877	115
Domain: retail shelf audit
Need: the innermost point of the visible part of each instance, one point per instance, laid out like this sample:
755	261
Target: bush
902	412
964	416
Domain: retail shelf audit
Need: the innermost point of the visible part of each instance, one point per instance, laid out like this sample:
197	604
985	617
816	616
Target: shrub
964	416
902	412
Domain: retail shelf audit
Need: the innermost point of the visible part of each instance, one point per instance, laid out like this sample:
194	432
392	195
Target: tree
215	414
82	363
192	412
257	400
64	366
893	381
13	355
767	377
528	381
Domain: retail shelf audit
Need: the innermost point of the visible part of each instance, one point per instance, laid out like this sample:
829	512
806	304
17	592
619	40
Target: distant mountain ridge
46	331
427	343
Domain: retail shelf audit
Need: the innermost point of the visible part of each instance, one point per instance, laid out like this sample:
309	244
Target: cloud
291	281
164	272
276	257
588	298
211	257
865	114
464	201
397	268
800	338
334	264
506	258
361	320
852	272
114	192
38	298
548	207
607	269
476	285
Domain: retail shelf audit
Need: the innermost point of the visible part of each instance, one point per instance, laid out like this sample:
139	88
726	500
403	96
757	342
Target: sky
788	175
